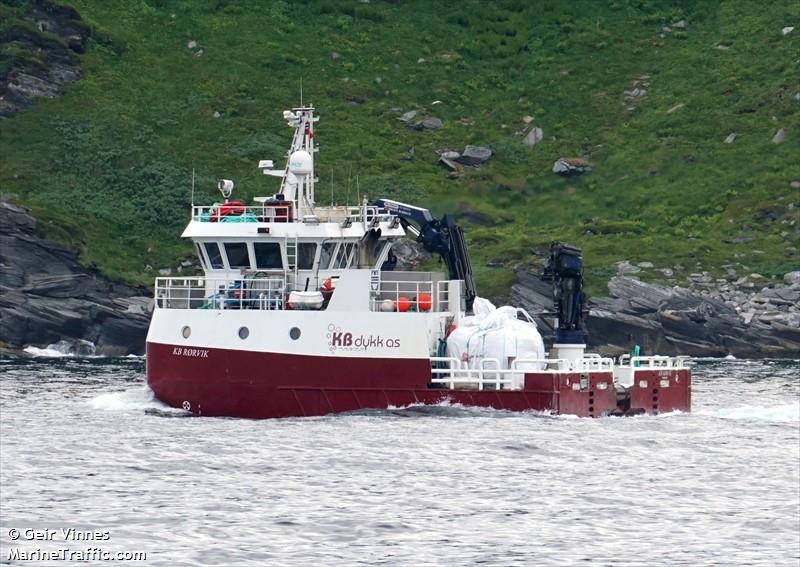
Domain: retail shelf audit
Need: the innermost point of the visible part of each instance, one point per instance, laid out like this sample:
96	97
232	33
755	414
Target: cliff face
674	321
47	296
39	53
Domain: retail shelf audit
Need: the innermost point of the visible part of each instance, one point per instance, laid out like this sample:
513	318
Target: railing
284	211
404	296
625	372
653	362
264	293
452	372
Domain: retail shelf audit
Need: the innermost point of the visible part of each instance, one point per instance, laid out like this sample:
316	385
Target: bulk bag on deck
499	335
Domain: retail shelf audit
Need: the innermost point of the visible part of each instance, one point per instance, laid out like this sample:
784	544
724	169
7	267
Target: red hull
218	382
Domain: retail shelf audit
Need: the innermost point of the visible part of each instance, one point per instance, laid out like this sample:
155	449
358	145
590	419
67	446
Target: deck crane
443	237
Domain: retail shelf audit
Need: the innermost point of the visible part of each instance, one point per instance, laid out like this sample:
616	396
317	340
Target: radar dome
300	162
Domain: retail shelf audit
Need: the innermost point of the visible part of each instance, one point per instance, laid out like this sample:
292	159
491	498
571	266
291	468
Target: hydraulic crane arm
564	268
443	237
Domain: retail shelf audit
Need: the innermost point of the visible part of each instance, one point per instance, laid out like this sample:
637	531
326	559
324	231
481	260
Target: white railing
452	372
404	296
653	362
443	301
264	293
424	295
285	211
625	371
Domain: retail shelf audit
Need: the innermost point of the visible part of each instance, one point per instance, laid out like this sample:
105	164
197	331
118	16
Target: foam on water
45	352
784	413
140	398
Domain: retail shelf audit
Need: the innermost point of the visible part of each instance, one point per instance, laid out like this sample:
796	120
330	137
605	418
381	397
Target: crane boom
444	237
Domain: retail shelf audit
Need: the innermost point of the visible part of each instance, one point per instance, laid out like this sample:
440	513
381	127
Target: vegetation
108	164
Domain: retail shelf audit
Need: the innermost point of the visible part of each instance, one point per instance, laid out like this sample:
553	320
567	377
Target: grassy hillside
108	164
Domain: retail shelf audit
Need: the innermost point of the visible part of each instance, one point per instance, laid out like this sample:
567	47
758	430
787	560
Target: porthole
294	332
244	332
186	332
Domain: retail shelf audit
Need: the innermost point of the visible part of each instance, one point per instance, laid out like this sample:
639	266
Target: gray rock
408	116
779	136
432	123
46	296
450	164
191	44
410	254
533	137
675	108
730	138
568	167
787	30
645	264
668	320
792	278
55	54
475	155
626	267
681	25
449	154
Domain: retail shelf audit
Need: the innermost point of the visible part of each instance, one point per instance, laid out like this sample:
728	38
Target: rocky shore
749	318
48	298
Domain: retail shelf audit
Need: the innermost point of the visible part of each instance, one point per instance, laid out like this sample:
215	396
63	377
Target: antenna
347	198
301	92
192	190
331	188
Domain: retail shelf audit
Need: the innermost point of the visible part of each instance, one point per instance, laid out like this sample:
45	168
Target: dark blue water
83	445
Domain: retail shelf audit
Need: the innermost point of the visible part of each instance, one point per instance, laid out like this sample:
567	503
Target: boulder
431	123
533	137
779	136
475	155
568	167
792	277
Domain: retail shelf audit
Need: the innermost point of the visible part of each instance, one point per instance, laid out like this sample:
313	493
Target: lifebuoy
229	208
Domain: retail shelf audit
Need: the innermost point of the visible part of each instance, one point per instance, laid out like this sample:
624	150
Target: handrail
456	371
285	211
197	292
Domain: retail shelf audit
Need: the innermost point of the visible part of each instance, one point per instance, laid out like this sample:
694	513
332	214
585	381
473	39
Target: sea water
87	453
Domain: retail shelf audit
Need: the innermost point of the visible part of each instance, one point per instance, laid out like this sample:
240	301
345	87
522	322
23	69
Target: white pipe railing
286	212
265	293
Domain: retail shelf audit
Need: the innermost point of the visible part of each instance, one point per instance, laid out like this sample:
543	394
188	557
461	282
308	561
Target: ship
302	310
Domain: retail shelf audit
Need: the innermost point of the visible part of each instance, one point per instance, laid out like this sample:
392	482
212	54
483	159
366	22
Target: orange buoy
424	302
403	304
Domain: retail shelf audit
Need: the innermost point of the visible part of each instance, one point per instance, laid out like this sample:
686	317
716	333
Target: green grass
109	163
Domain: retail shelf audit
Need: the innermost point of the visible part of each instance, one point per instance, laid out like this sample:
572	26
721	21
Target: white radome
301	163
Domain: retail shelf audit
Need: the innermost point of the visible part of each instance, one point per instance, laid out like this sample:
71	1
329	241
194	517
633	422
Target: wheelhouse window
237	254
268	255
306	252
200	256
214	255
326	255
344	255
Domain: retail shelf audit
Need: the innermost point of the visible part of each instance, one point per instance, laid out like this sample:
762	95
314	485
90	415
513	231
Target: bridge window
214	255
237	254
344	255
326	255
268	255
306	252
200	255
